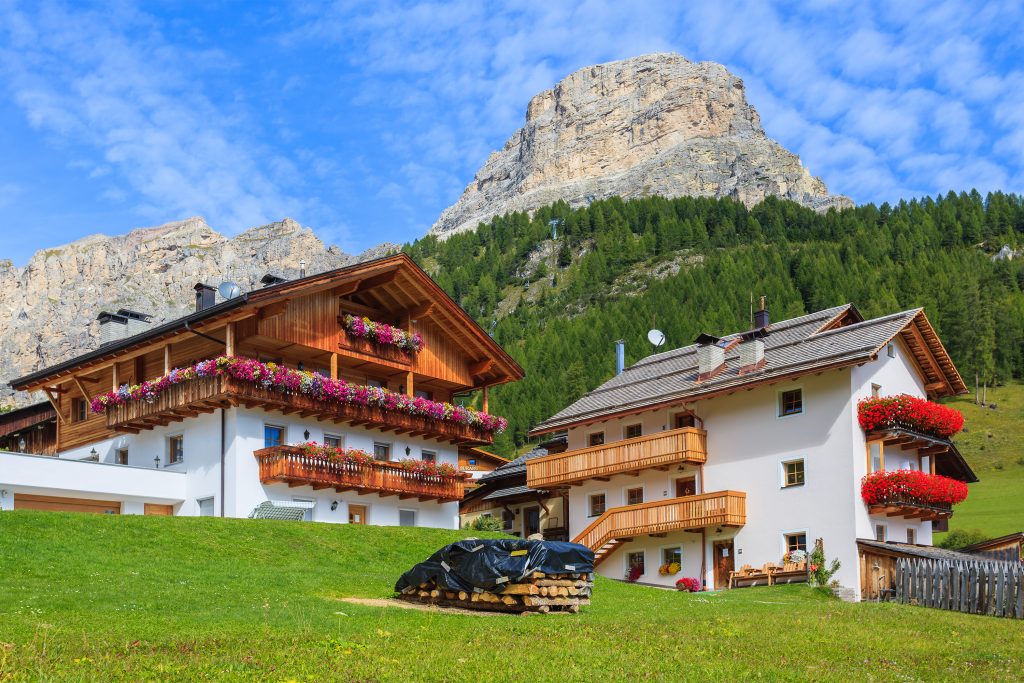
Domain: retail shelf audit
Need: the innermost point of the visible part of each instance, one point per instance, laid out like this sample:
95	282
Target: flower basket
910	412
688	584
669	568
382	333
912	486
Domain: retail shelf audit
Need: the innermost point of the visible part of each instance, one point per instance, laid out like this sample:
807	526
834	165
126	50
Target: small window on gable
891	350
796	541
911	537
880	533
597	504
876	390
633	431
635	495
791	402
595	438
79	410
793	473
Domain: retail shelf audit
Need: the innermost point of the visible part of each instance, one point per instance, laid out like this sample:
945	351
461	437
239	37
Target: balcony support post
334	366
485	398
229	339
167	359
116	381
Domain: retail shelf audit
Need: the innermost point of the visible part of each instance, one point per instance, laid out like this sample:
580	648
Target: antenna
656	337
229	290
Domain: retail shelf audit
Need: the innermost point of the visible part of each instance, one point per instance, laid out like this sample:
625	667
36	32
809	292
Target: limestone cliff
653	125
48	308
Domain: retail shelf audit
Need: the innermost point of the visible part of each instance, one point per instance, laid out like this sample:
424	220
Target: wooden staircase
621	524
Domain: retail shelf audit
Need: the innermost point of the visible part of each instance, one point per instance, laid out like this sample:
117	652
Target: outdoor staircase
607	549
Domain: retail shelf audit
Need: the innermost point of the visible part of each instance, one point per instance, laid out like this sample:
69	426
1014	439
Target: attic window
891	350
791	402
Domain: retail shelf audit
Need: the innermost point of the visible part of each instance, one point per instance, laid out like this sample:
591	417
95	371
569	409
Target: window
880	533
420	393
428	456
406	518
381	451
79	409
176	450
307	514
891	350
793	473
508	519
686	486
206	507
595	438
926	464
333	441
684	420
670	555
911	537
596	504
635	560
635	496
796	541
272	436
791	402
633	431
876	457
375	383
876	390
121	456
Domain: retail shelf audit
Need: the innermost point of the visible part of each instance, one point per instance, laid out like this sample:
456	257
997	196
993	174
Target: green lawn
87	597
993	444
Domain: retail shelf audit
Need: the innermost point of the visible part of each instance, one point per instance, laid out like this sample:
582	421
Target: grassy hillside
134	598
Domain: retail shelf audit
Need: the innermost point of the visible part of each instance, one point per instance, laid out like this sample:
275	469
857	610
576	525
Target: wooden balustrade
206	394
289	465
909	507
721	508
661	449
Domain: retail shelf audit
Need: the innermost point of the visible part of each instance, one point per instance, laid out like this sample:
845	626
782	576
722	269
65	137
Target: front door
686	486
531	521
723	563
356	514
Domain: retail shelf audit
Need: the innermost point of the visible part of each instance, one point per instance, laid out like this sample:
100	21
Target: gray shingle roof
793	347
925	551
512	491
514	467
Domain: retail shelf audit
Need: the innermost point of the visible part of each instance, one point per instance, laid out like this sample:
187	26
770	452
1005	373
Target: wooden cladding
288	464
24	501
662	449
206	394
722	508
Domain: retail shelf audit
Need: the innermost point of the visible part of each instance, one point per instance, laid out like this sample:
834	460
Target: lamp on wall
21	444
407	450
94	456
334	506
305	435
156	462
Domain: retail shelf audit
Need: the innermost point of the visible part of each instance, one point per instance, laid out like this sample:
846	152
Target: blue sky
364	121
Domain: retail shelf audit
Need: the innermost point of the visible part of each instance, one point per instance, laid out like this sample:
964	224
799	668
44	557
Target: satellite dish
229	290
656	337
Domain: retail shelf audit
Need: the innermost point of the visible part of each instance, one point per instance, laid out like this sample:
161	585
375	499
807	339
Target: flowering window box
909	412
912	493
381	334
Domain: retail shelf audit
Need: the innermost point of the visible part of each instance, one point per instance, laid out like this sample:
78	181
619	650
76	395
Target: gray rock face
48	308
653	125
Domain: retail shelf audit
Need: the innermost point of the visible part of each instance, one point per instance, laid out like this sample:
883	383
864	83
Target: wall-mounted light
718	530
305	435
94	456
334	506
156	462
21	445
407	450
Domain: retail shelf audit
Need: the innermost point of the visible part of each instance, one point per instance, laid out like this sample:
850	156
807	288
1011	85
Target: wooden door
161	510
531	521
724	563
24	501
686	486
356	514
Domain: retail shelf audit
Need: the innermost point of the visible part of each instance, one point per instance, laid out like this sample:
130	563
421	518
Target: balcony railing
662	449
205	394
289	465
910	507
721	508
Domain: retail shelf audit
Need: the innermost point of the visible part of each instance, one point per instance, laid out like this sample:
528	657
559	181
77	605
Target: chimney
620	356
113	327
761	316
302	268
752	351
710	356
206	296
137	322
269	280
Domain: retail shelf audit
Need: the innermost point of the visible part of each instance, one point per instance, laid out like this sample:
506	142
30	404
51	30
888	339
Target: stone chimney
710	356
752	351
121	325
761	319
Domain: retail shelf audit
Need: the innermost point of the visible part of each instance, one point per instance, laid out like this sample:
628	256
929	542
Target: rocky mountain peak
658	124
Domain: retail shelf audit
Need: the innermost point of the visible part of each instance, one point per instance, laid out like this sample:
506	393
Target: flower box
912	487
909	412
381	333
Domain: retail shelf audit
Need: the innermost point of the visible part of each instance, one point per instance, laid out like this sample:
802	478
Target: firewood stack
536	592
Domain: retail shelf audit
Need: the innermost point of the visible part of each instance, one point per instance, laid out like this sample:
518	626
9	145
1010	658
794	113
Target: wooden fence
975	587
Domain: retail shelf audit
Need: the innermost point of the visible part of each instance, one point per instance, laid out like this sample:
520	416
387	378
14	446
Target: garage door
162	510
23	501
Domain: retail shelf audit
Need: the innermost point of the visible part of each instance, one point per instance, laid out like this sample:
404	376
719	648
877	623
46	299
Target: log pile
537	592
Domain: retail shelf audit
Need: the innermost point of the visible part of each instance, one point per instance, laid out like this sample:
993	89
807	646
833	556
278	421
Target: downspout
703	558
223	459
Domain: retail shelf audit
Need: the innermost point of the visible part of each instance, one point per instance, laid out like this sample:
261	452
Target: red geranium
688	584
912	485
911	412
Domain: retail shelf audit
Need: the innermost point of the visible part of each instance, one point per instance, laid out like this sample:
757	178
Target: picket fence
975	587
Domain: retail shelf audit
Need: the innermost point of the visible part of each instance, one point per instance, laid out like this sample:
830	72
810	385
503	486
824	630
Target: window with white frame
791	402
381	451
633	431
891	350
175	449
273	435
911	536
876	390
307	513
205	507
673	554
635	495
333	441
793	473
428	456
597	504
406	518
635	560
876	457
121	456
796	540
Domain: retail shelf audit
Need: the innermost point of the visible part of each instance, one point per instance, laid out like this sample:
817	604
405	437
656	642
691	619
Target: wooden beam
420	311
55	403
272	310
409	383
229	339
358	308
485	404
376	281
929	358
167	359
480	367
116	377
81	388
334	366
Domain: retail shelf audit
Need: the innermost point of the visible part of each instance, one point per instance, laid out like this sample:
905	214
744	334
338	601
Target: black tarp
492	565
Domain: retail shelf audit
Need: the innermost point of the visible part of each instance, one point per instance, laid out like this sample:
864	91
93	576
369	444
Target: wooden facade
32	429
288	464
297	324
659	450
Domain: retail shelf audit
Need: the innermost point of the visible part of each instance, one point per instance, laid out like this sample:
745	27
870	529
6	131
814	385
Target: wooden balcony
910	508
370	351
206	394
659	450
288	465
616	525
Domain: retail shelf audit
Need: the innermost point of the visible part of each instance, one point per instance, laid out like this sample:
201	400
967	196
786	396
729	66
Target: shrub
633	573
688	584
484	523
958	538
816	561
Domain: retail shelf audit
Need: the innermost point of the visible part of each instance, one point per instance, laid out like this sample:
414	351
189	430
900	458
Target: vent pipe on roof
302	268
206	296
761	316
620	356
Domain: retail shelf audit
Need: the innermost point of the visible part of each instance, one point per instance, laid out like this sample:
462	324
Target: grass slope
993	444
131	598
